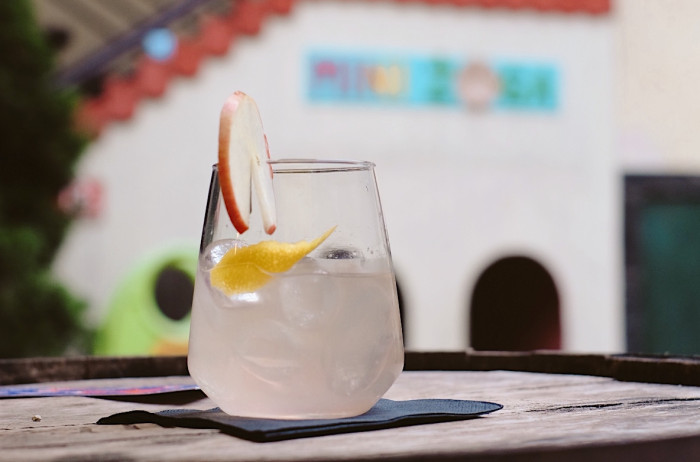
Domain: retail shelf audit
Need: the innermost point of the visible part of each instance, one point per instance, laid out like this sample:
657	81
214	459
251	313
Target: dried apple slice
243	156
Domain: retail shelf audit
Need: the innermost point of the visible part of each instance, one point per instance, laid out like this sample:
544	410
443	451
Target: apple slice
243	156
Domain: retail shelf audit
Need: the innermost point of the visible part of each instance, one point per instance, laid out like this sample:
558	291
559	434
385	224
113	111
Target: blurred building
502	132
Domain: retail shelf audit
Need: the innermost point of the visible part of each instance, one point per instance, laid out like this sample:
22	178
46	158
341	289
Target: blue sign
414	80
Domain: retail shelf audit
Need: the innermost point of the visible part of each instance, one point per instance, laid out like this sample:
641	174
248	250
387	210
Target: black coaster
385	414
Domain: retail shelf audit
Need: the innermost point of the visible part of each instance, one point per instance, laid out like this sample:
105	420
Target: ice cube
309	297
216	251
359	352
269	350
340	253
213	255
243	300
342	260
355	366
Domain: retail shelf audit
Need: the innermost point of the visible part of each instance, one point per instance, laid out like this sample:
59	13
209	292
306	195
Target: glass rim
315	165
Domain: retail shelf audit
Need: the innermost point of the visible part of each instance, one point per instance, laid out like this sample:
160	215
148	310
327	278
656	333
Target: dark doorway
662	260
515	307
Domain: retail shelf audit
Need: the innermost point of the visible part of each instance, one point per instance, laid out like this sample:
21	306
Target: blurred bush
39	149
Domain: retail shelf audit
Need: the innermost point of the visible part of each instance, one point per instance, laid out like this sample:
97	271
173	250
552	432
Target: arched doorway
515	307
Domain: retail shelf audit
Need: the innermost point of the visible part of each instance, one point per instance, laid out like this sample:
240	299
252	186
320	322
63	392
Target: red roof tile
121	94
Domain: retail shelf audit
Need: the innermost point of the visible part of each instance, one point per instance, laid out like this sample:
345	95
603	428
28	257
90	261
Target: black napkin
385	414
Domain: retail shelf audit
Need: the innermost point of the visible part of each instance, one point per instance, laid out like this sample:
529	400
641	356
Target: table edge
677	370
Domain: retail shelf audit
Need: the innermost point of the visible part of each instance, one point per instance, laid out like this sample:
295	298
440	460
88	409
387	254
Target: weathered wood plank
546	417
656	369
37	370
675	370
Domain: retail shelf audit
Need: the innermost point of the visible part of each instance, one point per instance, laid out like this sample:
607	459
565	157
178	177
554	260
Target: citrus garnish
245	269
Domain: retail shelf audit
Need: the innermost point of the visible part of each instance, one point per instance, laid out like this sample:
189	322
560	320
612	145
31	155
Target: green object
670	284
38	316
150	311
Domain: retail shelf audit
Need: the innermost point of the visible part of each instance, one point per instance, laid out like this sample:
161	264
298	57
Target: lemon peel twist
246	269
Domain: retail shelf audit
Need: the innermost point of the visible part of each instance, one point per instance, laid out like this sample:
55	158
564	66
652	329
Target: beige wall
658	85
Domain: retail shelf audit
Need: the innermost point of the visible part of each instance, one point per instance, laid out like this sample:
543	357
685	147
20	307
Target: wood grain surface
545	417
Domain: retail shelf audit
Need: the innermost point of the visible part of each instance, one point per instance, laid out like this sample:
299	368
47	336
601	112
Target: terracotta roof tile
122	93
152	76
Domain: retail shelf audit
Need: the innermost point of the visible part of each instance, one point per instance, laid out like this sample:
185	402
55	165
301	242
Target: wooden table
551	412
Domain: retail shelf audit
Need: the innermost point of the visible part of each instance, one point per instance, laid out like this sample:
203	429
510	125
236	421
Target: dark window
174	289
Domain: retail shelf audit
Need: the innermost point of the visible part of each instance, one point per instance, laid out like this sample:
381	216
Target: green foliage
39	149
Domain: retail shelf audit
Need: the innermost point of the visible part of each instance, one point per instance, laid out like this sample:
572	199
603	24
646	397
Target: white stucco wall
658	50
459	189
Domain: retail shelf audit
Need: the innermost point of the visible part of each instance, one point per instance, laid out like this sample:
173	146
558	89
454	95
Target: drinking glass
322	340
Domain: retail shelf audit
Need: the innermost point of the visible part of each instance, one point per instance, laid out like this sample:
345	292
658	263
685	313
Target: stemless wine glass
322	340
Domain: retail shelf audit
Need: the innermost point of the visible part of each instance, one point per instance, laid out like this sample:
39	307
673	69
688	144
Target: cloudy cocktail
296	315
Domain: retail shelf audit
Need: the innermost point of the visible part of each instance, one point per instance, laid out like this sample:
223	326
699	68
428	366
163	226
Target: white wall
658	46
459	189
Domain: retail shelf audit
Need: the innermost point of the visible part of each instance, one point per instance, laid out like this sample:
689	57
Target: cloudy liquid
322	340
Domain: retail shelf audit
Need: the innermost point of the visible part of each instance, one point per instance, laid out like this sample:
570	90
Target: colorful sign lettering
431	81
